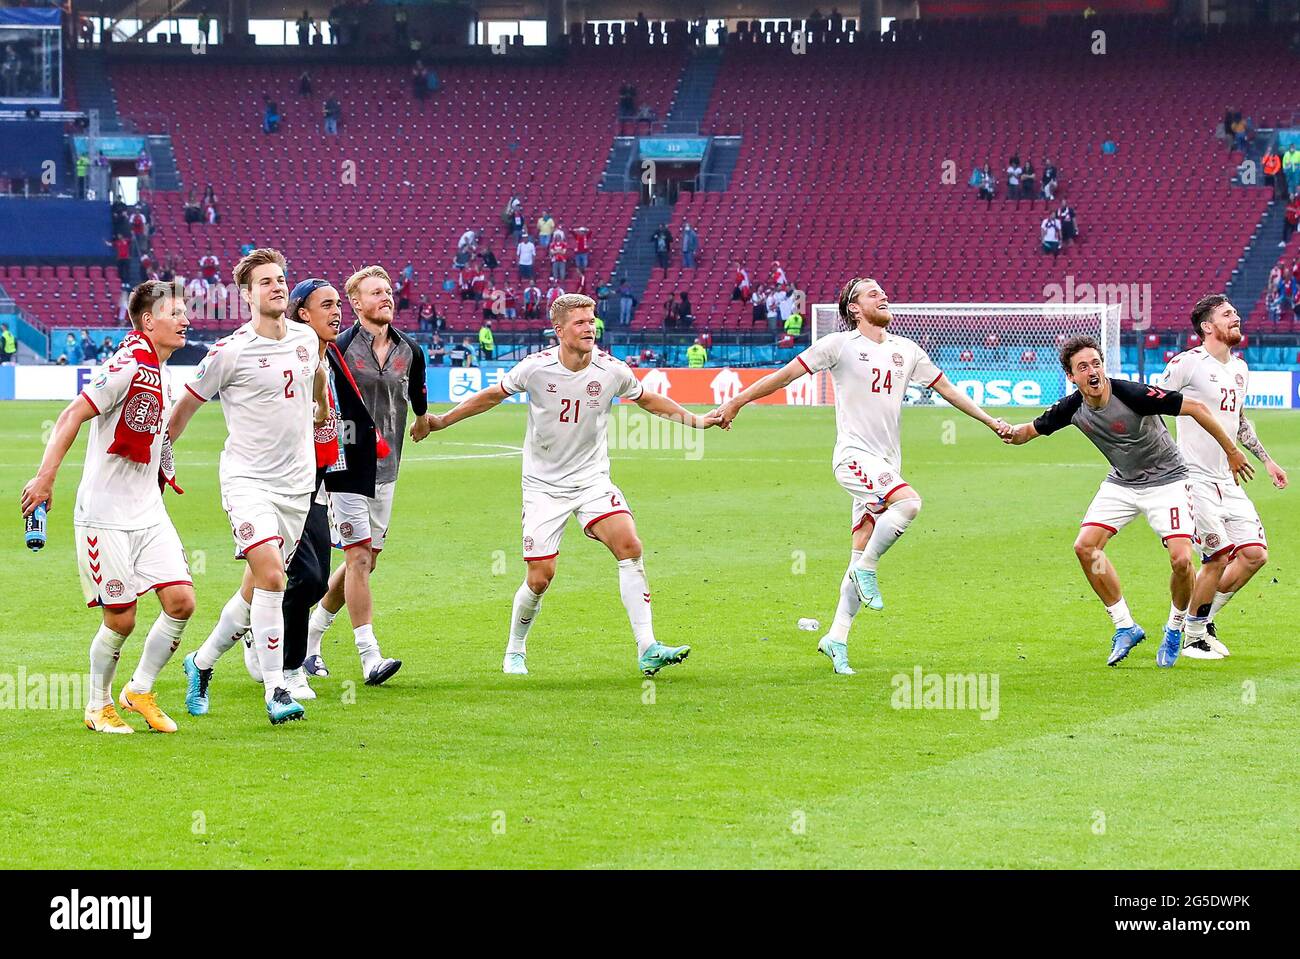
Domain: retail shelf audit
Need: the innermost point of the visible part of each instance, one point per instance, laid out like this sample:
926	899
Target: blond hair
260	257
567	303
354	281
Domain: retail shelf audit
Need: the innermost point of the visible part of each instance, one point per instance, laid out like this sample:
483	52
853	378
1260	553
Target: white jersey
266	389
115	492
566	447
1220	386
870	383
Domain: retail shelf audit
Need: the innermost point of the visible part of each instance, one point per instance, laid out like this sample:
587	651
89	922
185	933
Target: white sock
1220	601
890	525
849	603
1119	615
268	637
635	590
236	618
1195	628
1176	617
367	647
104	650
524	611
164	639
321	620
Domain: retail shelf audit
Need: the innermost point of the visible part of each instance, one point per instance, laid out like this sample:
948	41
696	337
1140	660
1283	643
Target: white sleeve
629	387
516	380
108	390
1175	374
822	355
215	372
924	370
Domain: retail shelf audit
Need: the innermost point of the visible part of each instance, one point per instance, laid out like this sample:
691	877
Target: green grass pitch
752	753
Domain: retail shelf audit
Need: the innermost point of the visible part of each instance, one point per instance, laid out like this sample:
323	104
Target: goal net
999	354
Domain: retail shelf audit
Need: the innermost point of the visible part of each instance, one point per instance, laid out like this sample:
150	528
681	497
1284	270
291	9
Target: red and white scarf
141	418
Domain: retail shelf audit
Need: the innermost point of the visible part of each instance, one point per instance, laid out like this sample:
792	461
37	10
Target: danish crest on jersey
245	531
1241	381
593	388
886	479
143	412
302	353
898	359
114	589
528	542
345	529
1211	540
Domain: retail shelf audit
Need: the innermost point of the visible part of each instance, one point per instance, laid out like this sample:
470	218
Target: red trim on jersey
936	380
1112	529
614	512
1166	539
503	389
113	606
243	553
895	490
360	542
1213	556
178	582
1238	549
538	559
87	398
195	395
865	517
802	363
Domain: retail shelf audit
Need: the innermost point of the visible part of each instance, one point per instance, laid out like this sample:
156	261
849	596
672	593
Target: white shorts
357	520
1168	509
118	566
1226	519
261	516
870	481
545	515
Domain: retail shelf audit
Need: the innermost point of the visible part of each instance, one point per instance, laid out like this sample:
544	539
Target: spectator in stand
304	84
772	308
582	284
1049	181
1050	232
208	267
478	285
670	312
741	290
685	313
71	350
553	293
1273	175
106	349
87	349
493	297
785	306
139	224
304	28
424	314
779	279
988	185
511	302
545	227
559	258
405	290
122	250
604	293
1273	303
513	217
690	245
1028	183
532	301
1291	162
437	352
462	353
626	302
662	241
1014	172
582	247
270	115
333	111
420	80
758	306
1290	218
1069	223
488	259
144	168
526	251
1287	289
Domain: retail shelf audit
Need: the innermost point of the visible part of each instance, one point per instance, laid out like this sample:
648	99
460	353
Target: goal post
1000	354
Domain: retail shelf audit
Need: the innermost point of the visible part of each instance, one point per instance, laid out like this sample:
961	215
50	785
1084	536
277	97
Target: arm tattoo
1246	435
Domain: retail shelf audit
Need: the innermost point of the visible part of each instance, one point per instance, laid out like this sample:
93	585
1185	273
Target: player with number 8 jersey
570	390
266	375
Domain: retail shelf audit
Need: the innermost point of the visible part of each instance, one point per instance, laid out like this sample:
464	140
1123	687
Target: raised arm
764	387
1241	470
184	409
480	402
945	388
661	405
40	488
1247	438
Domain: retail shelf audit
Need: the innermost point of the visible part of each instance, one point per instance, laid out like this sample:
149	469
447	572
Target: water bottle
34	529
809	625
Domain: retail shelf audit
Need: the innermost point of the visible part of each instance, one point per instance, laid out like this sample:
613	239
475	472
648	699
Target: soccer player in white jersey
1231	534
126	543
266	373
871	369
570	390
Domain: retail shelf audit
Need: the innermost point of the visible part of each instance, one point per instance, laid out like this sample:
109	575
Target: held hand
1277	475
37	491
1016	435
711	418
421	427
436	423
1242	471
727	412
1001	427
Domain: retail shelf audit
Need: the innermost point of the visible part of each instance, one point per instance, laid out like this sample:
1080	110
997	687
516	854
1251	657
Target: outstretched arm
1247	438
661	405
40	488
945	388
1241	470
764	387
1019	435
480	402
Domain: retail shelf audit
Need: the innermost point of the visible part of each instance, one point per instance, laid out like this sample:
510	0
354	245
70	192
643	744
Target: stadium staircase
165	174
94	91
1246	289
695	86
618	175
636	260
